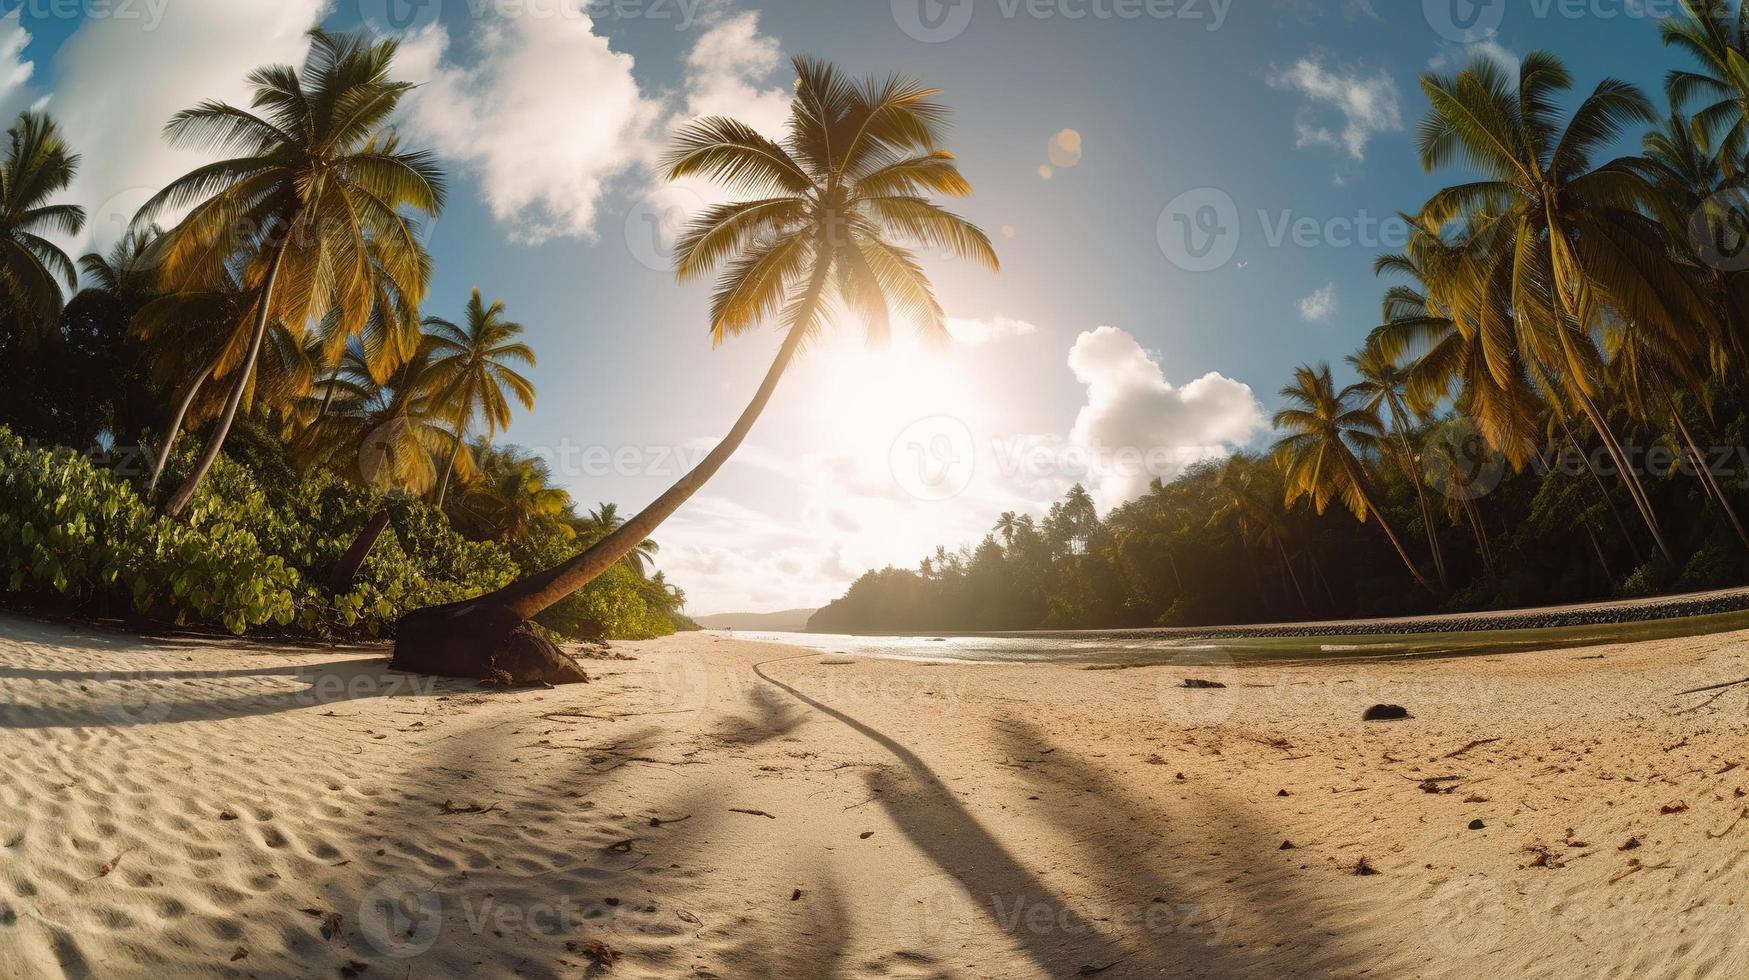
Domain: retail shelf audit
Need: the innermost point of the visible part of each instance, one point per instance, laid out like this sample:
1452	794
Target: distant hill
788	621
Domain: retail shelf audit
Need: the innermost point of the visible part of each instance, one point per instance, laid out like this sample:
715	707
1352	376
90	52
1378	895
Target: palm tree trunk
1629	477
1603	491
1703	470
1391	533
1486	549
341	577
476	637
245	371
449	465
1292	575
1597	549
1421	498
175	428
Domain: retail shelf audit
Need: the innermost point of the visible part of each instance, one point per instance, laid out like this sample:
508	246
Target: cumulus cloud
549	117
1136	425
1320	306
545	116
1366	103
195	50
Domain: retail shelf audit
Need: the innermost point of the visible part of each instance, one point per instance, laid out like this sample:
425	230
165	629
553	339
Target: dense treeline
1544	414
244	419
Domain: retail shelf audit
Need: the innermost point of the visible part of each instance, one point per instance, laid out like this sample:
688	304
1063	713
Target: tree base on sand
482	641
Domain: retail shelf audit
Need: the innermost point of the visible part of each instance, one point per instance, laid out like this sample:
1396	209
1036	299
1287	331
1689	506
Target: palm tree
1007	525
37	166
1718	40
1555	241
313	206
471	365
1241	504
1321	457
511	498
1447	465
1382	390
832	209
385	435
605	520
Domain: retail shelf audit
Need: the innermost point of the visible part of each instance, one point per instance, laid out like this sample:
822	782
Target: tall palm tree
833	209
1322	455
1240	503
1557	242
1007	525
316	204
1717	38
471	365
386	435
37	166
1383	390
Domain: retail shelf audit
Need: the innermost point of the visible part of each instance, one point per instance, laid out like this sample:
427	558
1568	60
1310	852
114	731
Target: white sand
938	821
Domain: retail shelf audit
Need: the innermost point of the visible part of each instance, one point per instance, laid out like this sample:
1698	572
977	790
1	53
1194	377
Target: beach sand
720	808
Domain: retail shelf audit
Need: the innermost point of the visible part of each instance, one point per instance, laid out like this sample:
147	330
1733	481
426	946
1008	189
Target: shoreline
1604	613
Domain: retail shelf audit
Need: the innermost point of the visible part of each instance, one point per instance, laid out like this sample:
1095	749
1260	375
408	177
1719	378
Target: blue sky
548	121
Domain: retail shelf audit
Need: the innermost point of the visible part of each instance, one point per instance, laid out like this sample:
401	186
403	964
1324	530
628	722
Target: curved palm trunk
245	372
1391	533
1603	491
1704	471
1420	498
1292	575
1635	489
455	452
479	636
345	570
1483	547
175	428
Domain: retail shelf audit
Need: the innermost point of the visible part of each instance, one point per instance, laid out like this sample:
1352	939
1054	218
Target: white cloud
545	116
548	117
1320	306
15	72
1136	425
1367	103
977	333
117	80
1460	56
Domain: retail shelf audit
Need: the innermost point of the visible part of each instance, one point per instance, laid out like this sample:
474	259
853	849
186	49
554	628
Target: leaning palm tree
833	209
315	205
1557	242
1717	38
1383	390
471	365
1322	455
37	166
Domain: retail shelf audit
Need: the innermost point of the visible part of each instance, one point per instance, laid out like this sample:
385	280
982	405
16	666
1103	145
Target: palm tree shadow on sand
1065	936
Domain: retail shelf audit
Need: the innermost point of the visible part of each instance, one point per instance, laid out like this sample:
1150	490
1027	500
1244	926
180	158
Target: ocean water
1128	650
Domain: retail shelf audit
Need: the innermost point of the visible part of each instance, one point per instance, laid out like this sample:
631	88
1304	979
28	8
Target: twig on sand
751	813
1635	867
450	806
1713	687
1478	743
1740	815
